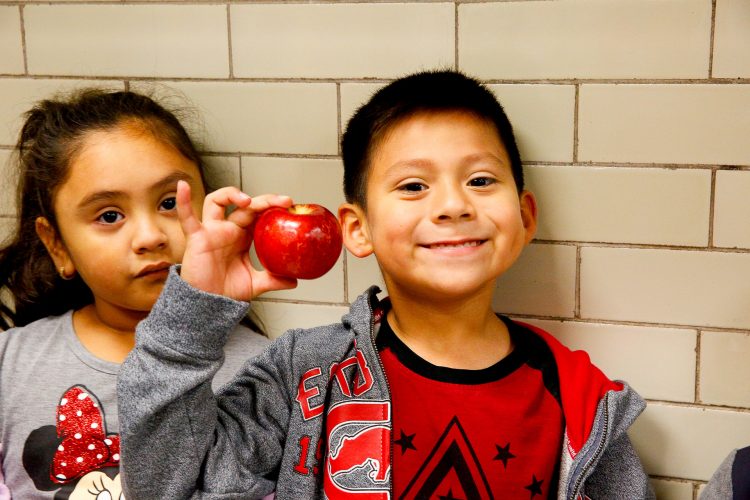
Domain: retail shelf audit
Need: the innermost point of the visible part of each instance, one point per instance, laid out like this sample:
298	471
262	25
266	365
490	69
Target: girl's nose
148	235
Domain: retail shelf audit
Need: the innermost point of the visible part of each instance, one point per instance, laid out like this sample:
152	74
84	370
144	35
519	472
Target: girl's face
117	217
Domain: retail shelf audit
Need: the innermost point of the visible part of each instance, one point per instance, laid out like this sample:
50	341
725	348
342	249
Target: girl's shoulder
35	332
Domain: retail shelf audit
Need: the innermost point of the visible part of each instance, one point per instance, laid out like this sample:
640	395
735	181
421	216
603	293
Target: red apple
303	241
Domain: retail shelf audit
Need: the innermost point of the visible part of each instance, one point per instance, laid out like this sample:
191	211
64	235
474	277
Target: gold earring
62	274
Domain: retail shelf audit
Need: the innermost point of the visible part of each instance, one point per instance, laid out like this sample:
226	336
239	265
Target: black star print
449	496
535	487
504	454
406	442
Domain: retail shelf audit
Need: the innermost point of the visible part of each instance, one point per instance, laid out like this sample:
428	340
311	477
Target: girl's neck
108	335
465	334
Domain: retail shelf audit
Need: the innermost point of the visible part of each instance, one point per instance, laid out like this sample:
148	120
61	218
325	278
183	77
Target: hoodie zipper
388	390
599	449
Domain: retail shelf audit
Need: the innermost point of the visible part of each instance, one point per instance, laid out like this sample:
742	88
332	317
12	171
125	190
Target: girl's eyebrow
107	195
171	179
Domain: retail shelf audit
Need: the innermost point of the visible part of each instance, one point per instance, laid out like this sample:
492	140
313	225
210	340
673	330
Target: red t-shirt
475	434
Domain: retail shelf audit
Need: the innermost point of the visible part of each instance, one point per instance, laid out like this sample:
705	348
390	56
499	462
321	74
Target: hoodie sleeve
179	439
619	474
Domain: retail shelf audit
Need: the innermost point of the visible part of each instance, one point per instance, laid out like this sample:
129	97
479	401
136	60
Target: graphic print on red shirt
475	434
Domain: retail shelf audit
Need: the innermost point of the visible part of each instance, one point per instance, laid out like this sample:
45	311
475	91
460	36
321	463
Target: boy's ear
55	247
528	214
354	229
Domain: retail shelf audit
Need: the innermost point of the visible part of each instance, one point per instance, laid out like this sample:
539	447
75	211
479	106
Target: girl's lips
153	268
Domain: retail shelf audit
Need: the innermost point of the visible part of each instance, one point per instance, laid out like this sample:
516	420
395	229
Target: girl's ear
354	229
55	247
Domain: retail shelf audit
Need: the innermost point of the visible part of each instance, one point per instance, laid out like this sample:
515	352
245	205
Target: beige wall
632	117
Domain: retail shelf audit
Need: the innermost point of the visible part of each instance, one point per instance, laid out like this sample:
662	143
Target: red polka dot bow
85	446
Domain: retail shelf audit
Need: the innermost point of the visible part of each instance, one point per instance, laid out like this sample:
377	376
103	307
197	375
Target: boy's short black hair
427	91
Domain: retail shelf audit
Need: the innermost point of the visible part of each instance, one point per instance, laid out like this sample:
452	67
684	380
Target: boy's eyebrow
100	196
416	162
426	163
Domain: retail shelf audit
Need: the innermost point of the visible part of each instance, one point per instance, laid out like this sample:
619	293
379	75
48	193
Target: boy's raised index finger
185	214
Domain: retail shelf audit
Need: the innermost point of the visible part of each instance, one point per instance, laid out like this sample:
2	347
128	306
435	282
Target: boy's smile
444	217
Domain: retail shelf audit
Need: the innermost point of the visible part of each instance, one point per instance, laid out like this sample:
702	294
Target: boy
428	394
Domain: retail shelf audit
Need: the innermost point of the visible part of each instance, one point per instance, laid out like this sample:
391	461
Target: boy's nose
452	204
148	235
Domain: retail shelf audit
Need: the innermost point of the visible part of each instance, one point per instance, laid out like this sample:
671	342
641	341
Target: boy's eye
169	203
481	181
413	187
110	217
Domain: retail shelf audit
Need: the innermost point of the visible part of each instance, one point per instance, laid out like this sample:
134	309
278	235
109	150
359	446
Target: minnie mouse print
76	455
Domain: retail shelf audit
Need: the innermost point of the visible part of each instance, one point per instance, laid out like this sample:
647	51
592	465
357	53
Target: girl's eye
481	181
169	203
110	217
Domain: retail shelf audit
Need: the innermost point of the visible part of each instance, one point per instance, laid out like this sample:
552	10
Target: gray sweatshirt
310	417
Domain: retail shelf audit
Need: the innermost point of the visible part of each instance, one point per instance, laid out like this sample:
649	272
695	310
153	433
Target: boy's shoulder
585	390
572	364
329	342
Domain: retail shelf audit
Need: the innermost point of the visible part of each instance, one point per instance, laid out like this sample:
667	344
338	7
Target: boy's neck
466	334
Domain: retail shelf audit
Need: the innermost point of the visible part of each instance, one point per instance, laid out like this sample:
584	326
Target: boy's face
444	217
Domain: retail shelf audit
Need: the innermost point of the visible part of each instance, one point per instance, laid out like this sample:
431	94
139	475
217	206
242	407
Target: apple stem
301	209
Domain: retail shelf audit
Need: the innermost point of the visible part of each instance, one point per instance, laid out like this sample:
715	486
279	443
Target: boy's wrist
193	321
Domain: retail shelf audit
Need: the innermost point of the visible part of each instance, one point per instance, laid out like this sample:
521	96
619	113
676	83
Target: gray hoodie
310	417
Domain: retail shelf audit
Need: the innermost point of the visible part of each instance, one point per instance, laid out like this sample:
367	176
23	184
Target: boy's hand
217	249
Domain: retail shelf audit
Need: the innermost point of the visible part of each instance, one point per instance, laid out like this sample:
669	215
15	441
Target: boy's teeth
456	245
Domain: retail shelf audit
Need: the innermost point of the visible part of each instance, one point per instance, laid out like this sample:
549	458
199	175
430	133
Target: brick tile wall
632	117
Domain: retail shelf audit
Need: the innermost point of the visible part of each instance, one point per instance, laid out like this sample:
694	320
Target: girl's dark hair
52	135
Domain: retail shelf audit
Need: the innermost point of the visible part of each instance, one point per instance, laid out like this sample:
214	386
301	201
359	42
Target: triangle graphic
452	466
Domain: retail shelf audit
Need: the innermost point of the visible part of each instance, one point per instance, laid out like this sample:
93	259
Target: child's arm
619	474
178	439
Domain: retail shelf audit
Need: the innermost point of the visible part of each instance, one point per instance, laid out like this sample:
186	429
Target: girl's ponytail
31	286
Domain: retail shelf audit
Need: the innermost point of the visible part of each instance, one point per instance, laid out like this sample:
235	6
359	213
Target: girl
97	233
